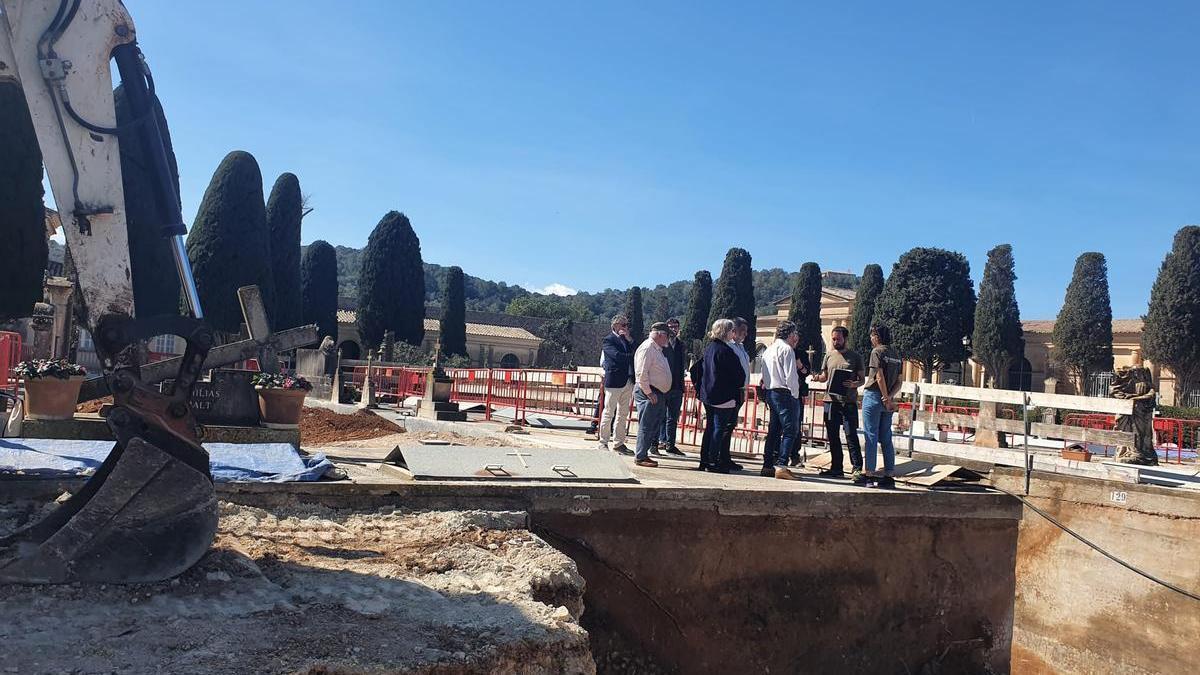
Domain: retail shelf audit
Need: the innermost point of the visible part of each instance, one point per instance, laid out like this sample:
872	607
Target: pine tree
633	311
391	285
23	244
998	339
1171	335
319	288
453	326
865	296
1083	331
694	326
928	304
284	212
806	310
734	295
229	245
151	261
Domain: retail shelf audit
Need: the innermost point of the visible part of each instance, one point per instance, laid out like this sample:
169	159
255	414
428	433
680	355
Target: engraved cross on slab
520	456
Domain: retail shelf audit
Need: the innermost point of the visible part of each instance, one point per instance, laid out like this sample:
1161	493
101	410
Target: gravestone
228	399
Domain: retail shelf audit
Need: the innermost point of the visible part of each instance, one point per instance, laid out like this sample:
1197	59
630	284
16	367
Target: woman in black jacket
720	389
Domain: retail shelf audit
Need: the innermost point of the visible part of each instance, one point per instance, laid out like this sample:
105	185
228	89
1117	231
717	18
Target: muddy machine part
150	511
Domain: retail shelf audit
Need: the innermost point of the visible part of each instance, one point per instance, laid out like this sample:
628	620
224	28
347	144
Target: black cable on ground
1096	548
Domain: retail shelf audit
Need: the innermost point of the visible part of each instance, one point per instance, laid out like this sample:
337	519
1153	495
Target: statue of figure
387	348
1136	384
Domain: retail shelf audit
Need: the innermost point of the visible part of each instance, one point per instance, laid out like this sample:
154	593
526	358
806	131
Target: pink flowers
281	381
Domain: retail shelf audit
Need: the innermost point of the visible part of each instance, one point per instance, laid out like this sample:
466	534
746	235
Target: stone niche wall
1078	612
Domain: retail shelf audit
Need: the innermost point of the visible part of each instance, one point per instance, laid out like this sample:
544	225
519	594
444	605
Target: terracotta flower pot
1076	454
51	398
281	408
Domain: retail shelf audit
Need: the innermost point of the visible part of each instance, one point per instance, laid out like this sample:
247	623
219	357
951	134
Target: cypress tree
1171	335
24	248
151	261
229	245
806	309
998	339
1083	331
663	312
865	296
319	288
633	310
928	303
734	295
694	326
284	212
391	285
453	326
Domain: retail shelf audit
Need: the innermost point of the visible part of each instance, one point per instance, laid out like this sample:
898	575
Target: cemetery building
491	341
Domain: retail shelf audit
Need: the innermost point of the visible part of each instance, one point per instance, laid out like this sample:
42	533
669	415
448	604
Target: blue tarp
255	462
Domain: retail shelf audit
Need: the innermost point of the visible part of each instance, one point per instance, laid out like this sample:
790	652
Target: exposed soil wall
1078	612
700	592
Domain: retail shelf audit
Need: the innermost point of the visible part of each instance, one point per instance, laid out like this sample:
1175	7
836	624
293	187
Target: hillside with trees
484	295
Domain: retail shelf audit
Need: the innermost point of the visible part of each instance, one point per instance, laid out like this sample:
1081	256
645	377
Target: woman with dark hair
719	389
879	402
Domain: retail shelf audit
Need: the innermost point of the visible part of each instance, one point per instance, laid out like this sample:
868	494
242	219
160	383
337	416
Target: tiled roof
1046	326
842	293
479	329
487	330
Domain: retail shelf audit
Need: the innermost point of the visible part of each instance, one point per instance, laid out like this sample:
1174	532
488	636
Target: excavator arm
149	512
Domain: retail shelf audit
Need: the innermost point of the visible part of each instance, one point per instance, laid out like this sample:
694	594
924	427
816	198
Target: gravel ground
314	590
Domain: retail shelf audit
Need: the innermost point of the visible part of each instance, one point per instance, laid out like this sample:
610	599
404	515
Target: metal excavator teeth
150	511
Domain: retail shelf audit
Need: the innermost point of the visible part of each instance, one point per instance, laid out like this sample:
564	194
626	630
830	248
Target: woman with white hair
720	390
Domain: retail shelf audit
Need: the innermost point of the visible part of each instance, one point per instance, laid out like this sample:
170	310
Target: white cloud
556	289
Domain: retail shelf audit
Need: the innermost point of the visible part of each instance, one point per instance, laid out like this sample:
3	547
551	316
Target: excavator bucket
145	516
150	511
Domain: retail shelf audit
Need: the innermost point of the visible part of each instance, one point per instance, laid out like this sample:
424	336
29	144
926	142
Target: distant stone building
488	344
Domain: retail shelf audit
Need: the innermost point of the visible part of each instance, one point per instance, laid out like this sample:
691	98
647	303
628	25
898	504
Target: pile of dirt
93	406
314	590
319	426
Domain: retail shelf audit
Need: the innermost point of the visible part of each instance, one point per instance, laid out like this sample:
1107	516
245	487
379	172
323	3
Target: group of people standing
651	376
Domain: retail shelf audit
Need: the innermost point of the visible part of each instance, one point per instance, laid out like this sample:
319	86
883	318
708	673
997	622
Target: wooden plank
969	393
1112	406
222	355
1082	434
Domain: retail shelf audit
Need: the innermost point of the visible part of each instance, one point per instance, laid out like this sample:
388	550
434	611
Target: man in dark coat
676	356
617	361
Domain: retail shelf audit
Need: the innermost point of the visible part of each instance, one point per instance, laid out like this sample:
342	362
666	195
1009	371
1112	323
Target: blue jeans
650	420
784	426
671	423
877	428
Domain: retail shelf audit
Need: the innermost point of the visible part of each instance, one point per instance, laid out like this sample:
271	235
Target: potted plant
1077	452
281	399
51	387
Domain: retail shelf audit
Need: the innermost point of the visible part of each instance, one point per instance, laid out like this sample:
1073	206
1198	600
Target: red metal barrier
10	356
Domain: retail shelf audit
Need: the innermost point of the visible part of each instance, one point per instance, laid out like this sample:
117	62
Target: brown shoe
647	463
785	474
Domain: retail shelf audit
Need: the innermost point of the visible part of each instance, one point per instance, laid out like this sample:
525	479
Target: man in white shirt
652	378
781	389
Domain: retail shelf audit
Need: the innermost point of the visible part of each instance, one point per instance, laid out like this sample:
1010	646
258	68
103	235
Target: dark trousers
795	453
840	417
674	403
718	432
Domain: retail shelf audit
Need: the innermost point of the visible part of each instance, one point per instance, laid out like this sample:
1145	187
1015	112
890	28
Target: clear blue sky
611	144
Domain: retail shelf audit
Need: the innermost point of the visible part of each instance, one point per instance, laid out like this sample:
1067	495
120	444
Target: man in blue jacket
617	361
